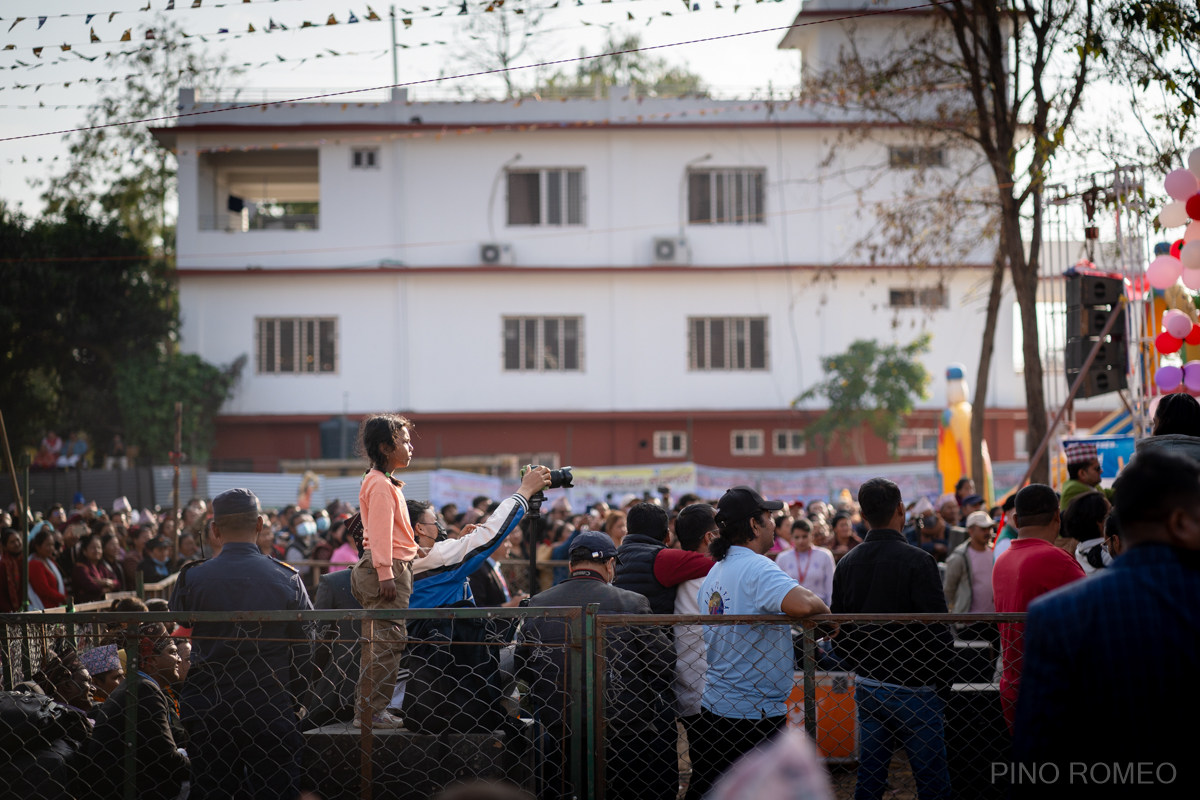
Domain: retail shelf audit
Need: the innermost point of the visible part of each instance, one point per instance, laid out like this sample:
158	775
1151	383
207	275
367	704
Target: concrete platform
412	766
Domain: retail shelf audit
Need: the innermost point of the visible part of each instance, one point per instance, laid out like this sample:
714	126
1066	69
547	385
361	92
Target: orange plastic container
837	718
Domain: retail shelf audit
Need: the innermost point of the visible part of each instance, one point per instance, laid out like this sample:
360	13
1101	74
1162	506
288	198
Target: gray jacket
1173	443
957	584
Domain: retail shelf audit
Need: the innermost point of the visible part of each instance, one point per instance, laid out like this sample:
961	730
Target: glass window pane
550	344
554	198
699	197
699	359
739	344
570	344
308	345
287	345
758	344
531	337
716	343
512	344
328	345
575	197
268	345
722	194
739	197
757	199
524	198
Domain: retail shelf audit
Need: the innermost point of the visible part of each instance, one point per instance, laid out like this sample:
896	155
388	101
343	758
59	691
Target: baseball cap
599	545
981	519
742	502
235	501
972	499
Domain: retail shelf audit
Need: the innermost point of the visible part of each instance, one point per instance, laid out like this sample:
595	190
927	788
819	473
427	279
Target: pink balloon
1168	378
1164	271
1192	232
1177	323
1191	375
1191	279
1181	184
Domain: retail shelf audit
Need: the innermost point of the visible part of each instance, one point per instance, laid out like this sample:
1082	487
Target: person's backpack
453	688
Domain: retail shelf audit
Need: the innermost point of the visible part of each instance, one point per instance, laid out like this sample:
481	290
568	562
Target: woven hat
1080	452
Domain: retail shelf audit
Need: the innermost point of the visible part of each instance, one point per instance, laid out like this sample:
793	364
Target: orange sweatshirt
387	530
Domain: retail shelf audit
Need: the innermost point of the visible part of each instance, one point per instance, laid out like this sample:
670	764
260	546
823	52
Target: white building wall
433	343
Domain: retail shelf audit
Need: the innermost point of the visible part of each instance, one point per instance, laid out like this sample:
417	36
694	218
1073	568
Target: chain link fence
559	702
905	705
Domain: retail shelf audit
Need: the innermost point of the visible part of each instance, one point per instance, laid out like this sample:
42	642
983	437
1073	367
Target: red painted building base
258	443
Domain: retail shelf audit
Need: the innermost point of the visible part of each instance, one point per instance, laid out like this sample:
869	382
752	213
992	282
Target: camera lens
561	478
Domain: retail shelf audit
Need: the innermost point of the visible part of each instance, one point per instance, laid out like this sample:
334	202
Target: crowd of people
1104	574
76	452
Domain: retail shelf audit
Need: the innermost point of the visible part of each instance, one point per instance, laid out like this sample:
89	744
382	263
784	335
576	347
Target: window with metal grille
727	343
917	442
364	158
790	442
545	197
543	344
726	196
746	443
913	157
669	444
929	297
296	344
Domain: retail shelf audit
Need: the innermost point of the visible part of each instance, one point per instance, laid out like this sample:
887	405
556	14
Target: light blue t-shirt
750	667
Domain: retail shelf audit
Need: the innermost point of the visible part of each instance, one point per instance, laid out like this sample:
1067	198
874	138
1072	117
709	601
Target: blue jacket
440	576
1110	667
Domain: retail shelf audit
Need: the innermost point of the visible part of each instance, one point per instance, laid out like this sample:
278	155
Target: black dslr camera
559	479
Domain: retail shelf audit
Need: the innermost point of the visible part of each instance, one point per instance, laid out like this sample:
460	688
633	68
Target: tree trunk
1025	284
978	408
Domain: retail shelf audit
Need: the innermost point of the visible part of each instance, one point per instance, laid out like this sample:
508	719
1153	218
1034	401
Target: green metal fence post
599	738
810	680
589	677
132	666
575	638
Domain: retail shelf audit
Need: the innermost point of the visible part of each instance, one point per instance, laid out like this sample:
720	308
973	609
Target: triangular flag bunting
95	38
66	47
113	14
10	27
37	51
88	21
352	19
373	17
222	30
308	24
150	33
463	8
407	22
251	28
126	35
41	22
170	5
272	26
630	15
196	3
332	20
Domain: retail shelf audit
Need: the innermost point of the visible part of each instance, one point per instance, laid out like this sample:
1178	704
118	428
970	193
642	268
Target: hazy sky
735	66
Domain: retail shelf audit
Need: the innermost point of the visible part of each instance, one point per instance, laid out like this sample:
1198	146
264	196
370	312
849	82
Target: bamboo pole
176	457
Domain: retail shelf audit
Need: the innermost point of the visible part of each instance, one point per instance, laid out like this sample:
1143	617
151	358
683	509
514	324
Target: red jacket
42	580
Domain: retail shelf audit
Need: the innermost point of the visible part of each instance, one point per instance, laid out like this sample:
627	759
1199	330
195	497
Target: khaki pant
387	640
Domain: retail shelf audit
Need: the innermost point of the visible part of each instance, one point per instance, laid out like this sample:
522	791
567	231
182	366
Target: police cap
235	501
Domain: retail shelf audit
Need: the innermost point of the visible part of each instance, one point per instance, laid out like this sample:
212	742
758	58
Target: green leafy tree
650	76
868	387
149	384
88	331
121	171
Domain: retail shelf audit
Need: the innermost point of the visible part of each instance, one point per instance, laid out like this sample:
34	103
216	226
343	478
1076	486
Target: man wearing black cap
239	667
750	667
640	720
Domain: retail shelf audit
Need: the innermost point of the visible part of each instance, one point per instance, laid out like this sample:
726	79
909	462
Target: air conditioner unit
671	250
496	254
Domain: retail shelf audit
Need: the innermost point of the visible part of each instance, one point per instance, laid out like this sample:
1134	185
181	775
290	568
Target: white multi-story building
616	280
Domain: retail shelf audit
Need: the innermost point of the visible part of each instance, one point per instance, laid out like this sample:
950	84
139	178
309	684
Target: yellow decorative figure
954	438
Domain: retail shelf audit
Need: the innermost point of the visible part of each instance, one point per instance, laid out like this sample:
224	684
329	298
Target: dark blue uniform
242	732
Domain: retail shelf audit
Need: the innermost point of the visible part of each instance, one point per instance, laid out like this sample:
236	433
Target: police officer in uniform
242	729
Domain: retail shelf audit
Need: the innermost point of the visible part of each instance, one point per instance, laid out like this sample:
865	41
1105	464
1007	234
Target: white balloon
1173	215
1190	256
1194	162
1192	233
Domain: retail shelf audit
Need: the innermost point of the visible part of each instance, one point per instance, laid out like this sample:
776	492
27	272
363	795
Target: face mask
306	528
322	524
